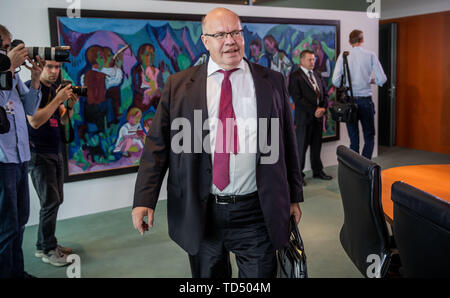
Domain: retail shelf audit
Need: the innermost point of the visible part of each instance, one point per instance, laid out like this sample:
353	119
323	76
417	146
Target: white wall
28	20
401	8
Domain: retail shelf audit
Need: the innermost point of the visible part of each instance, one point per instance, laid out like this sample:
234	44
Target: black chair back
421	231
364	234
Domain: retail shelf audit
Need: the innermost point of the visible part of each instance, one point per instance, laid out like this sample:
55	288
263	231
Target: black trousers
237	228
310	135
47	175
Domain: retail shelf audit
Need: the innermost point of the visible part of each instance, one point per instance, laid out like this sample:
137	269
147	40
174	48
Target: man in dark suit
228	189
311	99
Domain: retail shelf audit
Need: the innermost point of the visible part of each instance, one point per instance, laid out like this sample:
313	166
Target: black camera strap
63	129
347	76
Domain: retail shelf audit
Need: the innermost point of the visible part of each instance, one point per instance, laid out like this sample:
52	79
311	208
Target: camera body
78	90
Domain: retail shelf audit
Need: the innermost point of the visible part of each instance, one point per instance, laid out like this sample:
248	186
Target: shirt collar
306	71
213	67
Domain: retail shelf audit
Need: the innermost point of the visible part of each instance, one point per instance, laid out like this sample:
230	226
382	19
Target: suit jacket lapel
322	88
196	93
263	91
306	78
308	81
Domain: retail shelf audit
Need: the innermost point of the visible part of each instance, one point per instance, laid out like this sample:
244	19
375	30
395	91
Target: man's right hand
63	93
138	215
18	55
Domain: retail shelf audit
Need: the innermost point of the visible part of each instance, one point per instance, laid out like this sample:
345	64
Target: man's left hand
36	70
319	112
72	100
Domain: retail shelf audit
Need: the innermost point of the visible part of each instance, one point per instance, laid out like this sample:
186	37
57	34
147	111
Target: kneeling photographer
14	156
46	165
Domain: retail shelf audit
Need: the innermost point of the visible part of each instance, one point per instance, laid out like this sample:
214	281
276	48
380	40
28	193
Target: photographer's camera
78	90
59	54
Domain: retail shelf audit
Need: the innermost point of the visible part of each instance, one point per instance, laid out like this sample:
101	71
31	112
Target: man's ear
205	42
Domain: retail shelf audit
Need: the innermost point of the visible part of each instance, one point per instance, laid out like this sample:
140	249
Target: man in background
365	69
46	165
311	100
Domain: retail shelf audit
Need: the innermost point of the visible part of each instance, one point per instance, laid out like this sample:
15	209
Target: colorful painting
278	46
124	60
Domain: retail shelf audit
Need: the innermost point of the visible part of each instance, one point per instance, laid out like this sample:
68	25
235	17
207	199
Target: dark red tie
226	132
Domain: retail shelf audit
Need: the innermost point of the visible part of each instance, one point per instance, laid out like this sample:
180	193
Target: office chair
364	235
421	231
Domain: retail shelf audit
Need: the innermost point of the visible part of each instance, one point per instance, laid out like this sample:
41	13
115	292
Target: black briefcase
292	259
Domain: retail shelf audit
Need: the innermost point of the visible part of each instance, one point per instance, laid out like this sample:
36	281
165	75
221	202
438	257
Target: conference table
433	179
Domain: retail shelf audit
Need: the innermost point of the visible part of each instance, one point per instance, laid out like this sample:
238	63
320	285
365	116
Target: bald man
232	195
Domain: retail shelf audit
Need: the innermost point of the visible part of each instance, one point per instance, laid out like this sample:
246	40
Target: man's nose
229	39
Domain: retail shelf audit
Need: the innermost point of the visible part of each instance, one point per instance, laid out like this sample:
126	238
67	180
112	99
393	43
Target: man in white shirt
365	70
229	197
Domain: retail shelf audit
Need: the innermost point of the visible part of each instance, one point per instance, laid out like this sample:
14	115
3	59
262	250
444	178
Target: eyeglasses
222	35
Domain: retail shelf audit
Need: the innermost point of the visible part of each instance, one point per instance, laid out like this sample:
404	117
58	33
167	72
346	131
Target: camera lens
49	53
80	91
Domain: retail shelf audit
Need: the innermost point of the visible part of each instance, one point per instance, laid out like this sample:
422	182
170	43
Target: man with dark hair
14	157
46	163
223	199
356	37
365	69
311	100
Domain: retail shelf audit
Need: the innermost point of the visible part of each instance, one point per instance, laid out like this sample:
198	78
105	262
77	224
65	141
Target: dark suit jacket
190	174
305	98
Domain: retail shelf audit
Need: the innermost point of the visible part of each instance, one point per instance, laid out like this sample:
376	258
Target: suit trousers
237	228
310	135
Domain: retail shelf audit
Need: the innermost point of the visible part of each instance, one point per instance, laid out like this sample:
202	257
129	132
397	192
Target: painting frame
55	13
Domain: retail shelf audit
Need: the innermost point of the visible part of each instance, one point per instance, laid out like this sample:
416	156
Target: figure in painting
131	135
257	55
279	60
103	78
146	79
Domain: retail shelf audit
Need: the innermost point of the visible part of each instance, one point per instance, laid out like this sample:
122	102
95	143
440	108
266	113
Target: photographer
46	164
14	157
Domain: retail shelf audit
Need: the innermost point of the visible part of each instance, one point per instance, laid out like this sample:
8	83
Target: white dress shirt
243	164
363	64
